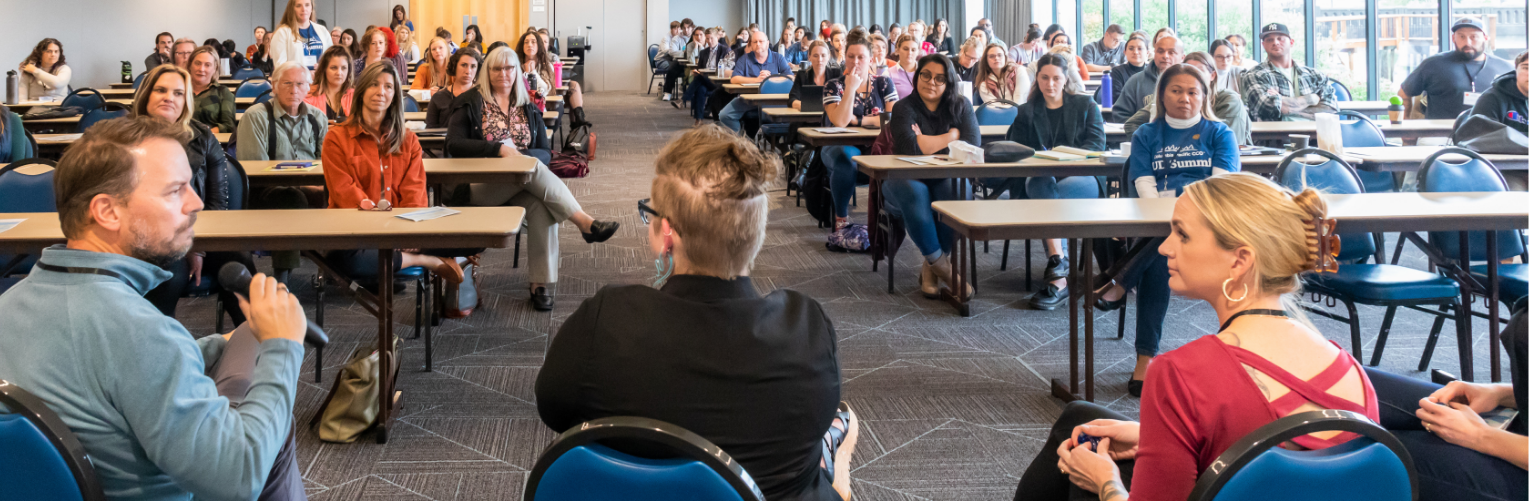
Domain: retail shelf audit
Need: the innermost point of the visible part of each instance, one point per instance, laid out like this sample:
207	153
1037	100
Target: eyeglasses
644	210
932	78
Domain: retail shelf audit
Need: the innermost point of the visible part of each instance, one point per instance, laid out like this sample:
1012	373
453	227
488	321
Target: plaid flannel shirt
1265	107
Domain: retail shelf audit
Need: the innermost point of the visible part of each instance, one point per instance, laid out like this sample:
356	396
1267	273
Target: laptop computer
812	98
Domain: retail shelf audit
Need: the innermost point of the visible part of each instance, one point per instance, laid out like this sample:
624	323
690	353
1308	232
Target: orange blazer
353	166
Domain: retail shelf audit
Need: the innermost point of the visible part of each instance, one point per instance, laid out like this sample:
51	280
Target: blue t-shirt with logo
1177	157
312	44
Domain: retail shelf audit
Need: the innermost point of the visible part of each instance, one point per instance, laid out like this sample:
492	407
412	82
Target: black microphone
235	278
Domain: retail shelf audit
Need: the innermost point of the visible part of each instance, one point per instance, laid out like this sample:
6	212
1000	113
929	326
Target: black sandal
835	439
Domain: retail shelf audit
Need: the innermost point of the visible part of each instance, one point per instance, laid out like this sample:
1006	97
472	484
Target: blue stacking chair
654	69
29	192
582	465
263	97
991	113
40	455
249	72
1340	91
410	105
108	112
252	87
1371	467
138	80
87	99
1476	174
1377	284
1365	133
779	84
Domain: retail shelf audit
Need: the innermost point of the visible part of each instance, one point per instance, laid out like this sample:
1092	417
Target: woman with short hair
1240	243
768	391
214	102
497	119
44	75
298	37
333	84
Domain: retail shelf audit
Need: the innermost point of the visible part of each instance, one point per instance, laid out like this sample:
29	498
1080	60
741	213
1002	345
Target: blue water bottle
1105	94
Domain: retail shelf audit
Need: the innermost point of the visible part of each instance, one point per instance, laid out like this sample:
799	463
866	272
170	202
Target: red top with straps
1199	400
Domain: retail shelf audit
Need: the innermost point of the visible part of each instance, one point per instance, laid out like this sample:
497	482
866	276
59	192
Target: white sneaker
666	97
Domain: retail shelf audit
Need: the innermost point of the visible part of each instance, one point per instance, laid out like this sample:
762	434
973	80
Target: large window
1067	16
1407	31
1505	20
1237	18
1155	15
1094	22
1289	13
1121	13
1341	50
1191	24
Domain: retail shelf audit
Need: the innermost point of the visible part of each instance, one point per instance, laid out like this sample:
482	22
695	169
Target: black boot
577	117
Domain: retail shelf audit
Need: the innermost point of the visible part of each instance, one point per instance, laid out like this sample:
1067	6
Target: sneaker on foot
666	96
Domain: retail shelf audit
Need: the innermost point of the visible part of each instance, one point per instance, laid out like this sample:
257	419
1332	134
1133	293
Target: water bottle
12	87
127	72
557	73
1105	95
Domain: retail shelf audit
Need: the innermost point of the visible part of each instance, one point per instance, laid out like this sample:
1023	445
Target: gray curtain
1010	17
772	14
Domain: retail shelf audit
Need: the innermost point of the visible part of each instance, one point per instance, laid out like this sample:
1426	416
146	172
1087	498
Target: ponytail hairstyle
1159	108
1244	209
710	186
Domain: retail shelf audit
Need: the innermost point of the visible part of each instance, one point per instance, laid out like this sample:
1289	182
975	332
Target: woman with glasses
44	74
926	123
1228	72
497	119
768	391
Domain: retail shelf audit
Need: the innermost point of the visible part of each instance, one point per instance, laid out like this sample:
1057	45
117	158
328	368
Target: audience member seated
904	73
1454	80
430	74
671	51
1268	88
537	61
333	85
1226	105
161	54
1184	144
987	27
249	52
999	78
1458	456
371	161
1061	42
1105	53
375	46
980	35
461	73
214	101
837	46
936	116
1229	74
262	58
768	392
160	414
815	73
894	33
408	49
709	55
13	137
1167	52
1239	45
296	134
498	119
1057	113
756	66
940	37
44	75
1135	59
298	37
855	99
236	61
796	53
1505	101
967	58
878	54
472	38
1030	50
918	30
352	42
1239	243
400	17
165	95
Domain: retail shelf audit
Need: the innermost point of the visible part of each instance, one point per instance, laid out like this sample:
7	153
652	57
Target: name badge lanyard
1472	77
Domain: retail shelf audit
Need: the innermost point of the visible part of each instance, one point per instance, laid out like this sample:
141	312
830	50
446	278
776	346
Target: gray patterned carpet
950	407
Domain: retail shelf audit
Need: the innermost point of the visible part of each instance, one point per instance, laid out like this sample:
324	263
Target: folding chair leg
1381	339
1027	265
890	274
1354	330
318	315
419	303
218	313
1121	324
1004	258
515	261
1434	335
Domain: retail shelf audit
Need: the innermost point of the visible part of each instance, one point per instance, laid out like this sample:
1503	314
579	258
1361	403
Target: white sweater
286	45
42	84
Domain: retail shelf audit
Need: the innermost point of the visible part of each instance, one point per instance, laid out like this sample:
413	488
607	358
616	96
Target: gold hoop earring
1229	296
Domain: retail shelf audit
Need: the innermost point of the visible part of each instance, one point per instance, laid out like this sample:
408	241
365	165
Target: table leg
1464	276
1492	303
1085	254
384	342
879	236
1069	392
956	293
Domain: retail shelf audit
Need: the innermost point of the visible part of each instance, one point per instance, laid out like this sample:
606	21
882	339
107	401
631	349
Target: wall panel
772	14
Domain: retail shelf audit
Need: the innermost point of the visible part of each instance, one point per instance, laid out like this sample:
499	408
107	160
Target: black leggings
1042	480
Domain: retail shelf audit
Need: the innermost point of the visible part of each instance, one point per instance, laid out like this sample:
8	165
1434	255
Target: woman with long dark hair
940	37
472	37
44	73
537	61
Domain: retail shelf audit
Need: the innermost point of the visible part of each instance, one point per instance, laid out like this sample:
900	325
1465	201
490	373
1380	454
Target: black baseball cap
1467	22
1274	29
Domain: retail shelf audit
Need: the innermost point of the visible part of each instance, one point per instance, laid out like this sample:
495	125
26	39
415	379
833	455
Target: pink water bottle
557	73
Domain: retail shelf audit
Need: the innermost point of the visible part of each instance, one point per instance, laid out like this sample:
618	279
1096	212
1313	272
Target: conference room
828	249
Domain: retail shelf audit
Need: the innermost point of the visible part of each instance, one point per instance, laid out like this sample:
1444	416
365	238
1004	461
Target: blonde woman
298	37
406	45
496	119
431	73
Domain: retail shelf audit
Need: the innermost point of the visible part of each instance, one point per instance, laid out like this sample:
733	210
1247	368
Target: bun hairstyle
710	186
858	36
1245	209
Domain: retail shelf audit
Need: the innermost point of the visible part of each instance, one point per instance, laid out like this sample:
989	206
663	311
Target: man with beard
1454	80
162	415
1282	90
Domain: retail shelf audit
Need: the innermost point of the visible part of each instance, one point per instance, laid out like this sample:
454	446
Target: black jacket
209	167
756	375
940	121
1504	97
464	130
1082	127
440	110
806	77
945	45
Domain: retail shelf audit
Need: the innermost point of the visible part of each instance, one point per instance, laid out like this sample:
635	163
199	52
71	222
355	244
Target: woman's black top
806	77
464	130
756	375
440	110
209	167
945	45
932	123
1078	123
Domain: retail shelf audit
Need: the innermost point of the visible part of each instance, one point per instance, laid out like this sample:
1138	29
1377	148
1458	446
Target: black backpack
814	189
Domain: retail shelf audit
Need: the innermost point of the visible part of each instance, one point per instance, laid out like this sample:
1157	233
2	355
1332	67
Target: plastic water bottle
1105	95
557	73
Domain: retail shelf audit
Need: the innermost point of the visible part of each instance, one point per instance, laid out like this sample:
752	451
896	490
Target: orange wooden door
498	19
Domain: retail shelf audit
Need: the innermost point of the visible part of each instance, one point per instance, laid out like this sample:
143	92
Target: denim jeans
1150	276
911	199
1445	471
842	176
733	115
696	94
